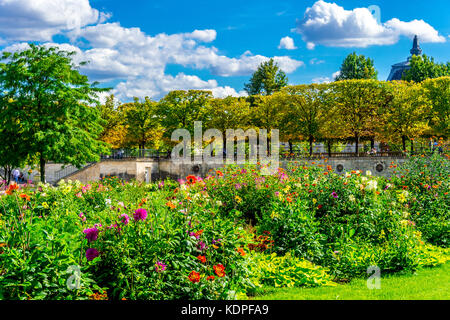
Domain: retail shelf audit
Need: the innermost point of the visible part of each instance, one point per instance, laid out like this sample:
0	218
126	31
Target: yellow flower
274	215
238	199
45	205
314	200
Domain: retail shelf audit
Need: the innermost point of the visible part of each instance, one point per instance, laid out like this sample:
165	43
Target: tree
423	67
13	144
357	67
304	111
179	109
228	113
142	123
52	101
358	103
405	117
114	127
438	92
267	79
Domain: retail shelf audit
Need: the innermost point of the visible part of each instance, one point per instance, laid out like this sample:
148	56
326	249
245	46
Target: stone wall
152	170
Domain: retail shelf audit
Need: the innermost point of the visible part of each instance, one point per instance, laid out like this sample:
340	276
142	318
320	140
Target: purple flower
140	214
159	266
334	194
91	254
238	186
91	234
124	218
201	245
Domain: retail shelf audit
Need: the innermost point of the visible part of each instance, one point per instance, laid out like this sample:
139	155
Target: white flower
352	198
368	173
372	185
219	203
107	201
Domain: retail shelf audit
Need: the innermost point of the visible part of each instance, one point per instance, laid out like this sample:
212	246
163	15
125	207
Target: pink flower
91	254
159	266
334	194
140	214
124	218
91	234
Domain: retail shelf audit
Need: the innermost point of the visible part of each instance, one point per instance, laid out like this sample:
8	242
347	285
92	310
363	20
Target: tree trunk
329	148
42	168
404	143
412	146
311	145
372	143
357	145
290	147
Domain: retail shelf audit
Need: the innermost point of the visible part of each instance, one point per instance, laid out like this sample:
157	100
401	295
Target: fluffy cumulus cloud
40	20
139	60
132	60
287	43
331	25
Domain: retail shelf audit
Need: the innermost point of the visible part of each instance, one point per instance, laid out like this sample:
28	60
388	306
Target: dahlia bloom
124	218
91	234
91	254
140	214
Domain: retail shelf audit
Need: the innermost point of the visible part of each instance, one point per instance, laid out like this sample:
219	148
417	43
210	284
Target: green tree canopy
357	67
52	103
423	67
267	79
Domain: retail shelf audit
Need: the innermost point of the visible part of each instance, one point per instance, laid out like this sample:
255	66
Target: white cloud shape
331	25
40	20
287	43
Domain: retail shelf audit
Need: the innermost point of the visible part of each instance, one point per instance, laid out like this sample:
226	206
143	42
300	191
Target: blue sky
147	48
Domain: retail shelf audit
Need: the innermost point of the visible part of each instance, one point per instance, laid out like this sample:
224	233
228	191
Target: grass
424	284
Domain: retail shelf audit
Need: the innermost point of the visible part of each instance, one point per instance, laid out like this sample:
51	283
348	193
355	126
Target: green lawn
424	284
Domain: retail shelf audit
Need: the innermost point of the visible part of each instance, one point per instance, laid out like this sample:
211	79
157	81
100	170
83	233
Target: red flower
211	278
194	277
219	173
202	258
191	179
219	270
11	188
319	206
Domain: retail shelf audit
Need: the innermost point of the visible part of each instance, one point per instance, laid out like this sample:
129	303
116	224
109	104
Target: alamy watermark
221	149
374	279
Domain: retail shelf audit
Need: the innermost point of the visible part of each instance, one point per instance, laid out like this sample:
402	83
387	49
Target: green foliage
357	67
51	102
286	271
423	67
267	79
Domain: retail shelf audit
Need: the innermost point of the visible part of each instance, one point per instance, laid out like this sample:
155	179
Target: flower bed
220	237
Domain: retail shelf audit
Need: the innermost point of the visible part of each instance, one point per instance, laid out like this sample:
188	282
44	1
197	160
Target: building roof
398	68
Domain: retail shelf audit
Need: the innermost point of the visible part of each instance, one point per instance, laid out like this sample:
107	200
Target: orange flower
325	173
289	199
241	251
191	179
219	173
219	270
170	205
12	188
194	277
25	196
201	258
199	233
211	278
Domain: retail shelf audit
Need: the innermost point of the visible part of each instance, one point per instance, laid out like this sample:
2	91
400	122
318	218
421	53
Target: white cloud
321	80
40	20
208	35
331	25
326	79
287	43
316	61
135	60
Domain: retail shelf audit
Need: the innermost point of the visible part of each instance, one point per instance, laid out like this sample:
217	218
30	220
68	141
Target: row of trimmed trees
347	110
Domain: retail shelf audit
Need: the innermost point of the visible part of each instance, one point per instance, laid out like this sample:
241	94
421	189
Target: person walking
16	174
